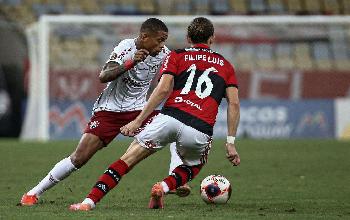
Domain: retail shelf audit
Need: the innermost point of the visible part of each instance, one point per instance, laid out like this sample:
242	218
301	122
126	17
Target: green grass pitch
277	179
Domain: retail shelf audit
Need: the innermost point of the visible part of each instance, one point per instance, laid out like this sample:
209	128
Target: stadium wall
294	84
84	85
297	110
259	119
282	119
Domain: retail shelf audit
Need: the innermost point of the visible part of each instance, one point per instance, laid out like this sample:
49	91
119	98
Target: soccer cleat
81	207
29	200
181	191
157	197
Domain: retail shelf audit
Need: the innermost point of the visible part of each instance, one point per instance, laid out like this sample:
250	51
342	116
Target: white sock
89	201
175	160
59	172
165	187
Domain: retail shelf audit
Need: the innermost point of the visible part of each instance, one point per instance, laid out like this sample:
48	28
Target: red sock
181	175
108	180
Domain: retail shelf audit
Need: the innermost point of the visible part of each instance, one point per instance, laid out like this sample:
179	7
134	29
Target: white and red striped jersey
128	92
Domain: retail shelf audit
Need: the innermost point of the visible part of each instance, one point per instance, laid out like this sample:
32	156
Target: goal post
66	53
36	117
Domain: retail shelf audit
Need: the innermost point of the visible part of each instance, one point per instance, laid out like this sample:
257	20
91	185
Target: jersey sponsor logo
179	99
128	80
196	49
154	68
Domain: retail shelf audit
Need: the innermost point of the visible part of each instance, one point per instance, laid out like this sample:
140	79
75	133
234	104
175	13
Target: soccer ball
215	189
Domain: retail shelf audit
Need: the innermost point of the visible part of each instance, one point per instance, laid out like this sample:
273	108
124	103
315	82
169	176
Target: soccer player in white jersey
194	80
129	72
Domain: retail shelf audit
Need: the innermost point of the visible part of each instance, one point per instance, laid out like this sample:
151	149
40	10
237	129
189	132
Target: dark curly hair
153	25
200	30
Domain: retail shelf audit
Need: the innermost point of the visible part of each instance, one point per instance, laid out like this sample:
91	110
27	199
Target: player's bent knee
78	159
85	150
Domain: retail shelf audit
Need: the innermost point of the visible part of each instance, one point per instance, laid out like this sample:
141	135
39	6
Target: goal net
67	53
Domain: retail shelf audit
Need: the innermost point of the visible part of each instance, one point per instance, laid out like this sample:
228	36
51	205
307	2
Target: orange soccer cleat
29	200
157	197
181	191
80	207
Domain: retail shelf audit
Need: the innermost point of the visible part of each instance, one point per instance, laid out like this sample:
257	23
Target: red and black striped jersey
201	77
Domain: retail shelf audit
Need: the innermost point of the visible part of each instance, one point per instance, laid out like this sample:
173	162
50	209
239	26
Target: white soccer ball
215	189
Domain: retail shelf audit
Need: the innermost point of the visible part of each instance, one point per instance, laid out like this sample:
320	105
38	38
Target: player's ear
189	40
211	40
143	36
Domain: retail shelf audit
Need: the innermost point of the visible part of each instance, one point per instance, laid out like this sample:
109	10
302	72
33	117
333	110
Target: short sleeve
166	51
169	65
121	53
231	77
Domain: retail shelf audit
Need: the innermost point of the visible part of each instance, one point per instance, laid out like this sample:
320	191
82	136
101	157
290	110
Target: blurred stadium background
294	76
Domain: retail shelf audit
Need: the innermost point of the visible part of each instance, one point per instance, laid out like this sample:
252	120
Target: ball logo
215	189
212	190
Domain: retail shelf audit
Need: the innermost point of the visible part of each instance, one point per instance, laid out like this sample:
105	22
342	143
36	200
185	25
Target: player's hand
130	128
232	155
140	55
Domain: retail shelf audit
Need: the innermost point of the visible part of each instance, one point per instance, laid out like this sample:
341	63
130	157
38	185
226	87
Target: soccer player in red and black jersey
195	80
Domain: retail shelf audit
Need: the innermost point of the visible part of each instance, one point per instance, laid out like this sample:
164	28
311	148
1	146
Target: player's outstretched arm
159	94
233	114
112	70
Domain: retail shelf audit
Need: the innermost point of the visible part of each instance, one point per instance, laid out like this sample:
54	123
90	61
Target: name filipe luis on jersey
203	57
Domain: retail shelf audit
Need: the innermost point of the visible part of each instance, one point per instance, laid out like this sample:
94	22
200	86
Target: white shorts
192	145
